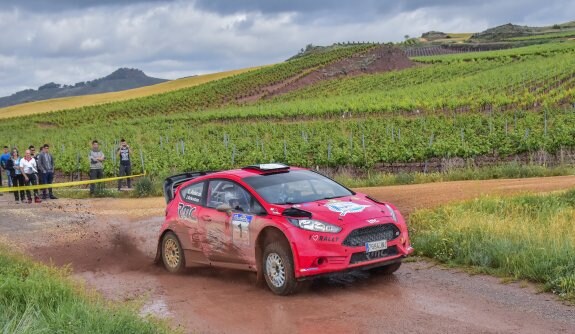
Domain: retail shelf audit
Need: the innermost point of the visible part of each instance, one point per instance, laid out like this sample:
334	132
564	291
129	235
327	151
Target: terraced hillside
510	104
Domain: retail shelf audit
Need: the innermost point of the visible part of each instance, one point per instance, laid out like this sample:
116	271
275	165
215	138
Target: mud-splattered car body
227	219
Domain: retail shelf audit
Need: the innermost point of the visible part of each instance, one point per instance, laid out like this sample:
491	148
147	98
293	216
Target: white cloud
91	44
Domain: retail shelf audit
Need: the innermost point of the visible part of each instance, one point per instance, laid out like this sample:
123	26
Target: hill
119	80
480	107
497	38
503	32
429	113
66	103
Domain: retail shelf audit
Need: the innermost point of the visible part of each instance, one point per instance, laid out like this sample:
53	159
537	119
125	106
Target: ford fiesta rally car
287	224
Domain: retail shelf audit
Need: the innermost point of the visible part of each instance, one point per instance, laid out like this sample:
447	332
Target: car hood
344	210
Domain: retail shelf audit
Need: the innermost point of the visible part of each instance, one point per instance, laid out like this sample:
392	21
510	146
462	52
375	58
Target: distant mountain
121	79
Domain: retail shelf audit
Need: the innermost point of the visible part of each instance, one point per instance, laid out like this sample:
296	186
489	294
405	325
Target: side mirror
225	208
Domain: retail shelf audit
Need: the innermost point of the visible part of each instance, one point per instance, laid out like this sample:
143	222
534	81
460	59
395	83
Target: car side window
230	193
193	193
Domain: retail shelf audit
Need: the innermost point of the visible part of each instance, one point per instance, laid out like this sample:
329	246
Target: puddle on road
156	307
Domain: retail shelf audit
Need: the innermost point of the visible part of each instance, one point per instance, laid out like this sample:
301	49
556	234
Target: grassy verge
504	171
38	299
142	187
524	237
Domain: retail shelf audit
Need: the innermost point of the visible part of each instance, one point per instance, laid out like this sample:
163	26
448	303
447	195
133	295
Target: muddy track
110	244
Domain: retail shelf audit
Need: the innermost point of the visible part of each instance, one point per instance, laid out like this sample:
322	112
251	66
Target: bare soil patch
379	60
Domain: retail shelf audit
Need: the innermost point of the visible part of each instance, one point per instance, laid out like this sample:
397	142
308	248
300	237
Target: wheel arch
158	258
267	235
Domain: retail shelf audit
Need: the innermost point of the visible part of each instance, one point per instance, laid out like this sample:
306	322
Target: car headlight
391	212
314	225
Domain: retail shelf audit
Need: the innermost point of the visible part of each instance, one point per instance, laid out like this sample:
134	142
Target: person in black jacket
46	170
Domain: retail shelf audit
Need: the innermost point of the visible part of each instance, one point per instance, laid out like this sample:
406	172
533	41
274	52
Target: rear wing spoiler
172	182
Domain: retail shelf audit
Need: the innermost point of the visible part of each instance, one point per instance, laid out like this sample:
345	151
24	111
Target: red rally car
287	224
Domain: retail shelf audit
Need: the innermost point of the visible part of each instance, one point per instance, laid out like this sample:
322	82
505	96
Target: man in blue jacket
3	159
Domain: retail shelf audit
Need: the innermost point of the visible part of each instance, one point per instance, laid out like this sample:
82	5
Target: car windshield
296	187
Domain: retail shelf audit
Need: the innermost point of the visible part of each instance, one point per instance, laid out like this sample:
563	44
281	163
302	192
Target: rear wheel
387	270
278	269
172	253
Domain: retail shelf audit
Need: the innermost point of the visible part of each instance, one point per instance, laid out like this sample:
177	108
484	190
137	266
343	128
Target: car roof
245	172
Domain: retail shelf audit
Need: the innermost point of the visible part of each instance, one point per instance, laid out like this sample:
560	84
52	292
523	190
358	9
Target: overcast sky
67	41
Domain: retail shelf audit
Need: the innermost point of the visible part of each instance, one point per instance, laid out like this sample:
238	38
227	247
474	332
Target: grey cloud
317	10
273	6
494	11
60	5
66	43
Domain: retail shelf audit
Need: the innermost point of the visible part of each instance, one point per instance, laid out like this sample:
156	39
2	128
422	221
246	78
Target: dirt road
110	244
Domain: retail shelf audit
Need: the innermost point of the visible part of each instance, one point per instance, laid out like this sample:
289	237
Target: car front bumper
318	257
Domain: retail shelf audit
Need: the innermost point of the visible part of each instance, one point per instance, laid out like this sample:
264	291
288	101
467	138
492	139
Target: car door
230	210
188	211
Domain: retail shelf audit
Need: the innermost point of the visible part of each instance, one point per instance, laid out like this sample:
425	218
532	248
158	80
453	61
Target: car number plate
375	246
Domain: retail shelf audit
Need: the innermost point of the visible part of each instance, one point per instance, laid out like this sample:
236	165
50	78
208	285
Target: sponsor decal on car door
241	229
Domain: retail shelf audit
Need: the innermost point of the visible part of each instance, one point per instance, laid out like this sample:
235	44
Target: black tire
172	253
386	270
276	259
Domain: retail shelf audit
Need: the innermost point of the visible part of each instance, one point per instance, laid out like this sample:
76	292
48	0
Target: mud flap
158	258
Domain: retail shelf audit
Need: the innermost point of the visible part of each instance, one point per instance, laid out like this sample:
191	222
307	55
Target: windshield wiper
331	197
286	203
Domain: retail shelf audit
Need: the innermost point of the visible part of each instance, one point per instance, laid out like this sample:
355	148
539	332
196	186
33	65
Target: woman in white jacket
30	171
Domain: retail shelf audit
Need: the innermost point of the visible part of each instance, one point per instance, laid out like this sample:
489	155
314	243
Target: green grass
35	298
550	35
501	171
516	53
529	237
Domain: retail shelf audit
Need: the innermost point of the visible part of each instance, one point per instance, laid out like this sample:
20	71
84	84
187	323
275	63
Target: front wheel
172	253
278	269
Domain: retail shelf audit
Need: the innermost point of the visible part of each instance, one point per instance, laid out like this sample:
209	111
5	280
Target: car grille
363	256
371	233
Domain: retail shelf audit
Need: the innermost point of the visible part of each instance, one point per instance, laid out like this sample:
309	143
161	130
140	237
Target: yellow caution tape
66	184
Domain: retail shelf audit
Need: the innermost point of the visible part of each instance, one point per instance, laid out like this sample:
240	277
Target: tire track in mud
111	244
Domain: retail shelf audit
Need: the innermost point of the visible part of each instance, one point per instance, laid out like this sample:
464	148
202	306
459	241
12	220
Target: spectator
29	170
96	165
32	151
3	160
13	166
125	152
46	169
36	157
